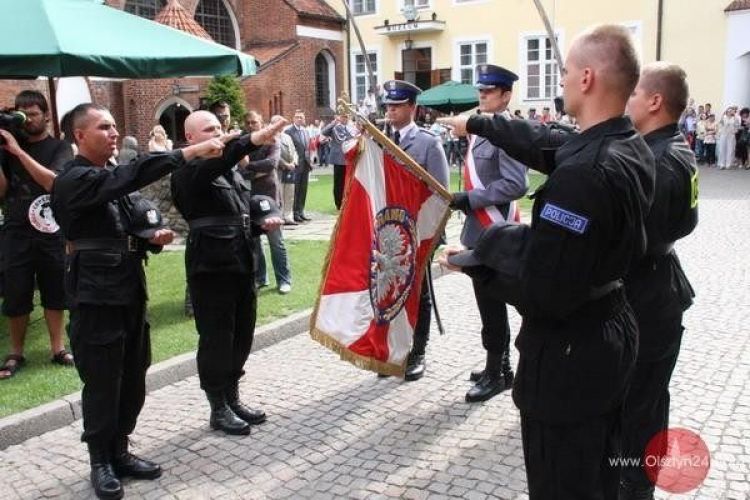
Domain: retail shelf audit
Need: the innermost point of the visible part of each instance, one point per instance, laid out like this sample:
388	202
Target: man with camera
32	245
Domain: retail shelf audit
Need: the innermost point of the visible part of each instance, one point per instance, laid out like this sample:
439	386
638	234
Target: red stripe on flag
353	246
374	343
402	188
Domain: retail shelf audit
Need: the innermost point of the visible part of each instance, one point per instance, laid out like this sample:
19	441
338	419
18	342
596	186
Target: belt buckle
132	244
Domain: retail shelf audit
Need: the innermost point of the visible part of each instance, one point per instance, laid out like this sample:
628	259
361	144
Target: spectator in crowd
700	136
532	114
313	131
287	162
688	125
128	150
546	116
726	138
517	114
298	132
32	244
260	170
743	139
709	141
158	140
223	112
338	131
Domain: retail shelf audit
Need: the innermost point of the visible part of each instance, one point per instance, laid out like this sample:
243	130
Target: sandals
11	365
63	358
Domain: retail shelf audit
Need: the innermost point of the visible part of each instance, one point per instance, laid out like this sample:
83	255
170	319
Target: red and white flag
389	224
491	214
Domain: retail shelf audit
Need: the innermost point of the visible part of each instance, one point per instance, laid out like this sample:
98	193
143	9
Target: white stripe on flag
345	316
371	175
430	216
400	334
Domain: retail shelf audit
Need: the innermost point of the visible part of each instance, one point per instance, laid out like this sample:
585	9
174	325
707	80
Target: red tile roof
738	5
317	8
268	53
174	15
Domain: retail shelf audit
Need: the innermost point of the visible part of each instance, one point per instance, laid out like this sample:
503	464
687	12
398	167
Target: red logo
677	460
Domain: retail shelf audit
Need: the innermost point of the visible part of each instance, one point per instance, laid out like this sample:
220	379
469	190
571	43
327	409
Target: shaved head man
578	340
224	220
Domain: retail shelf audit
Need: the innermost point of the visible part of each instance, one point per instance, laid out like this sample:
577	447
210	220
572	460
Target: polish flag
389	224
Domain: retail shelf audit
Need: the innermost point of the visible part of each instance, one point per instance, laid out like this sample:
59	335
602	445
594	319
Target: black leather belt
597	292
129	244
222	220
660	250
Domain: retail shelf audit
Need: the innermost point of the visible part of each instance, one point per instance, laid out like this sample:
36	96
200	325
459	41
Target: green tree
227	88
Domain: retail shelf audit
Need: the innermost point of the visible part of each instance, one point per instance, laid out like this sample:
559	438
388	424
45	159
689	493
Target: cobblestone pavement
337	432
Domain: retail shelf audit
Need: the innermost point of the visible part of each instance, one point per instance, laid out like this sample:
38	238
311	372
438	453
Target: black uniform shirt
84	200
22	189
588	218
657	286
214	188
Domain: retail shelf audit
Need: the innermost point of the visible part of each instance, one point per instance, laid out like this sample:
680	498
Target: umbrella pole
53	104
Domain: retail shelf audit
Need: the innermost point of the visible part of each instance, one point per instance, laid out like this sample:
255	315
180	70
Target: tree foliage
227	88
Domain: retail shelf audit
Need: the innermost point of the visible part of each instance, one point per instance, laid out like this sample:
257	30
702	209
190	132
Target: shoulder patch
564	218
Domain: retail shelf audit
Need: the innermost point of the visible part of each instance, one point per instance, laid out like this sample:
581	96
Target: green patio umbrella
450	97
57	38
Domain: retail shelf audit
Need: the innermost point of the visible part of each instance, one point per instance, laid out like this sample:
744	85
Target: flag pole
550	35
365	55
397	152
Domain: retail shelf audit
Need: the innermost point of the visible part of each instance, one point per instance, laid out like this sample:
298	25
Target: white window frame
364	14
457	66
378	72
523	65
419	4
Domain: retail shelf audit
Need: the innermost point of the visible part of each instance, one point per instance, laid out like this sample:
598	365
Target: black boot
103	478
125	464
249	415
415	367
491	383
475	375
223	418
507	370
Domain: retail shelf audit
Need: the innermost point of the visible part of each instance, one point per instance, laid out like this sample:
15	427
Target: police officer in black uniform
578	339
224	219
106	288
656	286
493	181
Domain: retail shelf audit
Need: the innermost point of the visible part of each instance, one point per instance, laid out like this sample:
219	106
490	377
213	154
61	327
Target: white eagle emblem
392	262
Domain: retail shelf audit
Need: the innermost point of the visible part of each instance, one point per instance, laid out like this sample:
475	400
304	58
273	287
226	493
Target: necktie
397	137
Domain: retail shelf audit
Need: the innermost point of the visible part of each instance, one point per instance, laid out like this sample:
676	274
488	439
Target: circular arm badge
41	217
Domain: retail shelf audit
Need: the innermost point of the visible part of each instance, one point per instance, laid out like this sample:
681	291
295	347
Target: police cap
399	92
143	216
262	208
490	76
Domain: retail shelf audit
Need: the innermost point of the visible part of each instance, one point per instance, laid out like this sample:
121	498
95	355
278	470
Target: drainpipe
348	58
659	23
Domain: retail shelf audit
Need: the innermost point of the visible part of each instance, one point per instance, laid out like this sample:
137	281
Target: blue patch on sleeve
564	218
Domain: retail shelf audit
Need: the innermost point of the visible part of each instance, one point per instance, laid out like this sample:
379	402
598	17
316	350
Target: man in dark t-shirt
32	246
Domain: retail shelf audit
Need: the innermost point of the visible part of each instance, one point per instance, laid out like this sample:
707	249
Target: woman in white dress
726	141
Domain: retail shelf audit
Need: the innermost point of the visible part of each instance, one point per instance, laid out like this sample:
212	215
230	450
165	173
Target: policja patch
564	218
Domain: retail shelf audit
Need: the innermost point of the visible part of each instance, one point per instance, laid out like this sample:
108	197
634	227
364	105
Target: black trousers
112	351
225	308
646	407
572	461
494	315
422	328
301	179
339	176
